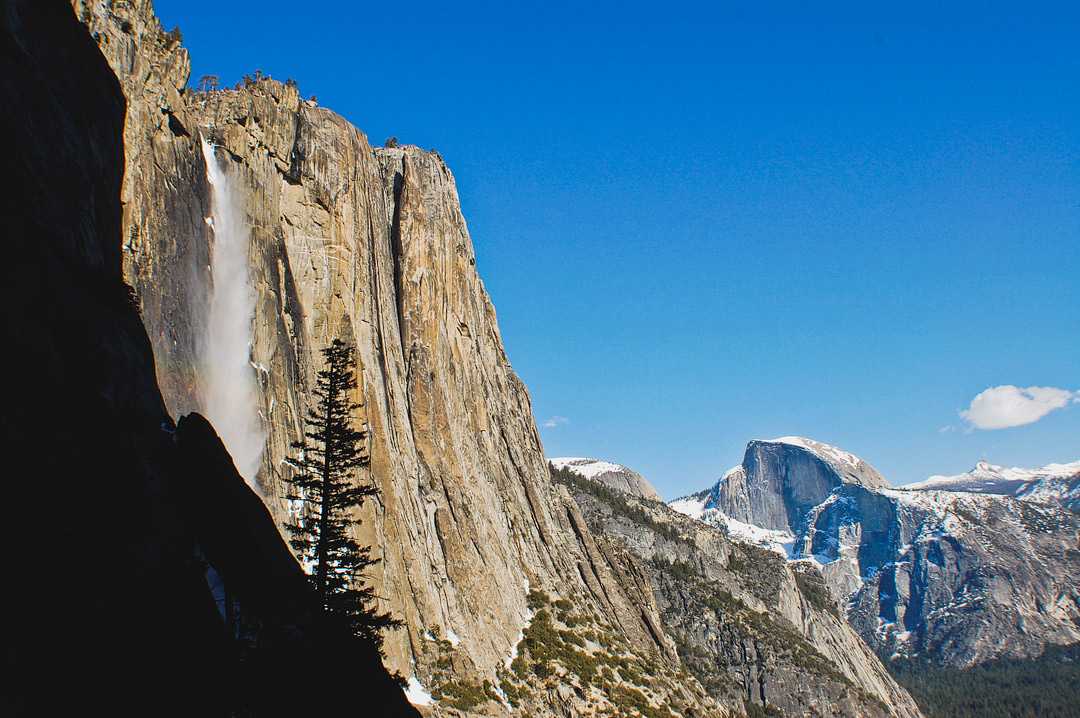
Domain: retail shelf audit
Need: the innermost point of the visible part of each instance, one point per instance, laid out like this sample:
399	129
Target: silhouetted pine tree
328	488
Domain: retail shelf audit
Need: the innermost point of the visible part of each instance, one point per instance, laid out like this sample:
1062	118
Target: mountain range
959	570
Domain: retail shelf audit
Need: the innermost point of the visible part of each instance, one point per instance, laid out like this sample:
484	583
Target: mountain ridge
616	476
957	577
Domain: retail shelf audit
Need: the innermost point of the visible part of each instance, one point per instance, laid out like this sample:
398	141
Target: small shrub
537	599
173	37
461	695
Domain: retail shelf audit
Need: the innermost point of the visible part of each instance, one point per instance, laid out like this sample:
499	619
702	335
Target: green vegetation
677	569
173	37
546	643
595	657
464	696
764	572
1045	687
537	599
619	502
777	642
632	702
812	585
735	563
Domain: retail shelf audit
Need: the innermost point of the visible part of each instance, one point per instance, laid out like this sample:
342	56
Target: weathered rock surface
952	576
107	595
369	245
745	625
614	475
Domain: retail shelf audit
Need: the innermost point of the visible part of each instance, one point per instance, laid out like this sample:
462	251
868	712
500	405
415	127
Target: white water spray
227	379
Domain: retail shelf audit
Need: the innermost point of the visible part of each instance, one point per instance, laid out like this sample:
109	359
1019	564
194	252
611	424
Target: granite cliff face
369	245
953	576
111	610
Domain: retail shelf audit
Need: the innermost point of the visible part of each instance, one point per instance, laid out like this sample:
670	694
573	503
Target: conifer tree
327	486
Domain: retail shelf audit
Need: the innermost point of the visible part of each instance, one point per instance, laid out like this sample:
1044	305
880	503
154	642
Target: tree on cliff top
326	485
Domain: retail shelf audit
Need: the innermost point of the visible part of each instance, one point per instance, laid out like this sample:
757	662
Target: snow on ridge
732	470
589	468
782	542
693	508
991	478
694	505
837	455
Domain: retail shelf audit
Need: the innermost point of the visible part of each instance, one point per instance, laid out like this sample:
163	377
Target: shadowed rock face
110	611
953	576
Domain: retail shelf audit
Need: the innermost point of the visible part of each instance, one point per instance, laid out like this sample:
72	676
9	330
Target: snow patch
832	453
782	542
589	468
694	508
987	478
416	694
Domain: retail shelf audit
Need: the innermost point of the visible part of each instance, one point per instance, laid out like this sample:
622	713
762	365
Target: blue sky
702	224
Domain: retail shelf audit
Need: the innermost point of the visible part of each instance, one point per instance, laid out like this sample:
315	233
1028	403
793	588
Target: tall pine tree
327	486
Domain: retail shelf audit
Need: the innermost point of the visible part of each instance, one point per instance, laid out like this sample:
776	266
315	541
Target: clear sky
702	224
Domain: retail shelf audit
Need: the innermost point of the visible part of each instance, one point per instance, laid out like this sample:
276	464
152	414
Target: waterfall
226	375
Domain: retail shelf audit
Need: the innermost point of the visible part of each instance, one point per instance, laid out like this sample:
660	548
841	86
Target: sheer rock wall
368	245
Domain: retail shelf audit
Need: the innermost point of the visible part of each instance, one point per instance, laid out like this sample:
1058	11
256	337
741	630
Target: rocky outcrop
369	245
780	481
748	627
614	475
111	611
952	576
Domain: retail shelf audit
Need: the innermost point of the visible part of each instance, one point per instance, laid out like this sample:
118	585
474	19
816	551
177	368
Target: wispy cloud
556	421
1001	407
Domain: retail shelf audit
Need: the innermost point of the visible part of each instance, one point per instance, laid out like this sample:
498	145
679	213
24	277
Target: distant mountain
953	576
613	475
752	629
1057	484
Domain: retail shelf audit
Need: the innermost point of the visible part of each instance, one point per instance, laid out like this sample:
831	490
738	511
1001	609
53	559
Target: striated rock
111	611
609	474
953	576
745	625
369	245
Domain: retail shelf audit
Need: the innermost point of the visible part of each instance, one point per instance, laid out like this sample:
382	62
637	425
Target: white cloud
1001	407
556	421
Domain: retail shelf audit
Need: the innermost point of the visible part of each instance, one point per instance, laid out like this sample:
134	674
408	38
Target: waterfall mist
226	376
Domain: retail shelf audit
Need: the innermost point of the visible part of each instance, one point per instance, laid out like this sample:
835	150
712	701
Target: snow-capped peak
589	468
605	472
827	451
987	478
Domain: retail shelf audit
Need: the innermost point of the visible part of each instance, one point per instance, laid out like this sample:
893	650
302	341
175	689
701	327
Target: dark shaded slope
106	597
